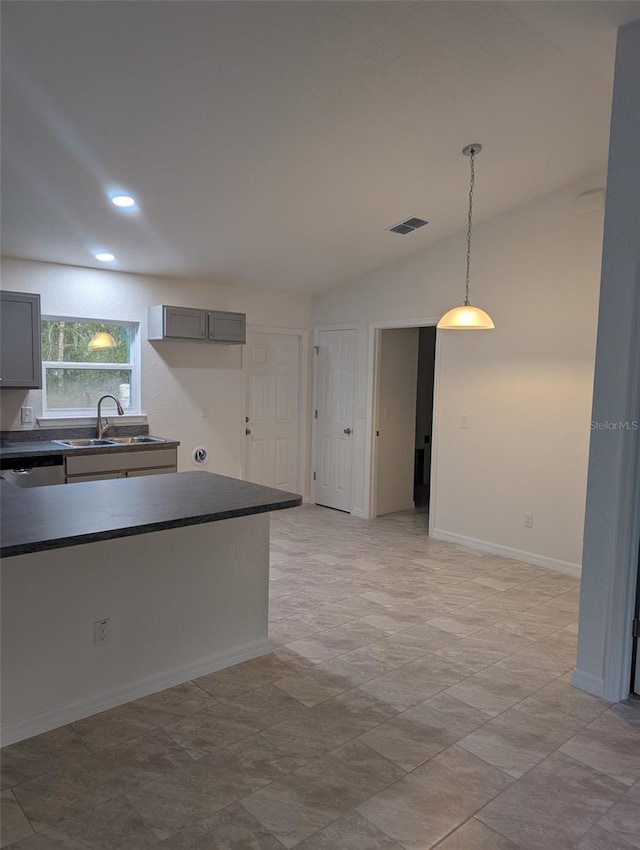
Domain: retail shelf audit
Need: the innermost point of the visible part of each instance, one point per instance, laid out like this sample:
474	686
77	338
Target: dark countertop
44	448
41	518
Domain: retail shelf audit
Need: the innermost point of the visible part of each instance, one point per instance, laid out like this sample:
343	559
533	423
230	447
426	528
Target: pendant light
101	339
467	317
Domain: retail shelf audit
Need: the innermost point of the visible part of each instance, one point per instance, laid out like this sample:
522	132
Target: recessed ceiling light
123	201
104	257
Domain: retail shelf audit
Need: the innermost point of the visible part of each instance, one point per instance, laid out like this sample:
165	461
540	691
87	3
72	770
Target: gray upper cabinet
20	351
167	322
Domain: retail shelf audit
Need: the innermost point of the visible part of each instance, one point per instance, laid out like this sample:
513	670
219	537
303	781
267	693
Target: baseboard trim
565	567
38	723
593	685
359	512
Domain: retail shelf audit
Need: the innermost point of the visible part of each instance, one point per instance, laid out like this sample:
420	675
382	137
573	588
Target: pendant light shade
101	339
466	317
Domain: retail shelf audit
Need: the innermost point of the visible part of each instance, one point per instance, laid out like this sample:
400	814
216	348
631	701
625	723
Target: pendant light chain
471	188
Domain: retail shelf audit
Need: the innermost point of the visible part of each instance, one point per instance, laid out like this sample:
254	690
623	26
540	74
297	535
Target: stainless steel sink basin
83	444
129	440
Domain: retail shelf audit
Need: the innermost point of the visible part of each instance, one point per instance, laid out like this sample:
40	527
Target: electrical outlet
528	520
26	415
102	632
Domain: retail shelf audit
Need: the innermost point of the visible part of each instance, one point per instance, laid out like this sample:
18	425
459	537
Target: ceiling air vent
408	226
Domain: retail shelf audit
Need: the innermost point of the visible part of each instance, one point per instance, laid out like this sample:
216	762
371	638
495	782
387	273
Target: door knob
247	431
347	430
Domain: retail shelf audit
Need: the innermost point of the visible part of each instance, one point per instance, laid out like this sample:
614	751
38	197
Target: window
82	359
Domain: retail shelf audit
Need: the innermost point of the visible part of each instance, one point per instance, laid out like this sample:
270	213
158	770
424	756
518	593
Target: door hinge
315	415
636	629
314	476
316	348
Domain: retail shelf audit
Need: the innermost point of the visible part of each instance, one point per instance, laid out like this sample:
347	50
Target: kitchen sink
129	440
83	444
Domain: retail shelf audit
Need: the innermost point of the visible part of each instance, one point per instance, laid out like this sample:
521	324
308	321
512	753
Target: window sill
79	421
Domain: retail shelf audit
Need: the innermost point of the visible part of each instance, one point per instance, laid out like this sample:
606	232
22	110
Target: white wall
613	503
168	625
179	379
396	418
526	386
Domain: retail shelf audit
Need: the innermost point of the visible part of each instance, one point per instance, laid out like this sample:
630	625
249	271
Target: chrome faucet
102	429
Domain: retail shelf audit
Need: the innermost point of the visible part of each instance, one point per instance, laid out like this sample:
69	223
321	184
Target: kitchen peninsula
178	564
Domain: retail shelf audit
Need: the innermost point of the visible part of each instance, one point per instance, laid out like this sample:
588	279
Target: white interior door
271	365
334	421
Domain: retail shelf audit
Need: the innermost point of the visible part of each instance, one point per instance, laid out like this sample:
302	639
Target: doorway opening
403	381
424	417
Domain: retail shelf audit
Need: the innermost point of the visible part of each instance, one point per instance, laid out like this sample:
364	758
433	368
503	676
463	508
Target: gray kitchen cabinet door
227	327
20	351
185	323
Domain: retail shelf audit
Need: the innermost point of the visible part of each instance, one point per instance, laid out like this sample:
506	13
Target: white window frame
133	365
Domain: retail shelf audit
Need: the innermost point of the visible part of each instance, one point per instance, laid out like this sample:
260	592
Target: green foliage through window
64	341
75	375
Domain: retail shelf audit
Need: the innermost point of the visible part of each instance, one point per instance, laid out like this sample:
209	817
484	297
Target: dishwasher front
33	471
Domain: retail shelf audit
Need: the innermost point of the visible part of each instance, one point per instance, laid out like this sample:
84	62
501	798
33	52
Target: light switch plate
26	415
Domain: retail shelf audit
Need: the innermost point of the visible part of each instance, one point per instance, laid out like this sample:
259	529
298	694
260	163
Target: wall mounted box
20	349
202	325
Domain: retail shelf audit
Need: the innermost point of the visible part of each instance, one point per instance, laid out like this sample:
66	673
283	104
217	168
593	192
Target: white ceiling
272	143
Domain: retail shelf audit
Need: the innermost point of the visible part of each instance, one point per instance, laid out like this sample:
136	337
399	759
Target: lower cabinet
129	464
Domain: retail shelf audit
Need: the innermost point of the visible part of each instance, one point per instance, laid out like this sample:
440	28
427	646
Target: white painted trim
81	421
359	512
373	368
593	685
303	401
565	567
38	723
339	326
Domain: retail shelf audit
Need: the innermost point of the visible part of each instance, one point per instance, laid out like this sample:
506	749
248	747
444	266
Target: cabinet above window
202	325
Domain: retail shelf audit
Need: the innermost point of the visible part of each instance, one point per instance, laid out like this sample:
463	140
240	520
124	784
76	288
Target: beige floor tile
289	629
474	835
610	744
496	689
623	818
355	667
185	796
336	641
553	805
232	828
351	832
111	826
560	695
426	805
317	794
310	687
416	681
40	754
423	731
237	680
600	839
516	741
13	821
328	725
72	789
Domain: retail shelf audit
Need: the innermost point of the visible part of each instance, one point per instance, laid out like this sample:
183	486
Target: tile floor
417	696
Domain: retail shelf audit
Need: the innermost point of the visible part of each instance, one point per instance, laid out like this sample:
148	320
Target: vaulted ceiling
274	143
